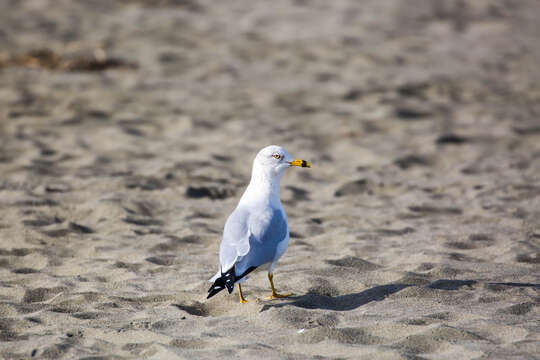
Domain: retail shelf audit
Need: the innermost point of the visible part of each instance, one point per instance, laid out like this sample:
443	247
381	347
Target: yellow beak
301	163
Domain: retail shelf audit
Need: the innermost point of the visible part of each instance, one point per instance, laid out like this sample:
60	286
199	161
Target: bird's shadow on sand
377	293
340	303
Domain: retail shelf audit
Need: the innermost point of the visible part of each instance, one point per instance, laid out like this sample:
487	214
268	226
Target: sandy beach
127	133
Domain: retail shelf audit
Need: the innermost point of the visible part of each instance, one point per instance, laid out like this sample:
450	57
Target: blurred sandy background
127	132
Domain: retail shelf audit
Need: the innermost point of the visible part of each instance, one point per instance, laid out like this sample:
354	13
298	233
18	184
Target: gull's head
273	160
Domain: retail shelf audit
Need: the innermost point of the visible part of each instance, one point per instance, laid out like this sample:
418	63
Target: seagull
256	233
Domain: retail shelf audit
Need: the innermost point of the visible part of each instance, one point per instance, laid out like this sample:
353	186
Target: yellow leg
242	300
275	295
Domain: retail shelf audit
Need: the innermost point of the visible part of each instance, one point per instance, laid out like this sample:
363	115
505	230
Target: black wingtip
214	289
229	279
226	280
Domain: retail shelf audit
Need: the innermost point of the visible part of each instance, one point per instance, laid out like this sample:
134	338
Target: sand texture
127	132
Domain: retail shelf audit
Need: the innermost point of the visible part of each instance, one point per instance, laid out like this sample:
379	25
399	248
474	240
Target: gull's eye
277	156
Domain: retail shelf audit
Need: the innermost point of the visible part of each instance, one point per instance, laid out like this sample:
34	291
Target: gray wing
235	242
266	232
